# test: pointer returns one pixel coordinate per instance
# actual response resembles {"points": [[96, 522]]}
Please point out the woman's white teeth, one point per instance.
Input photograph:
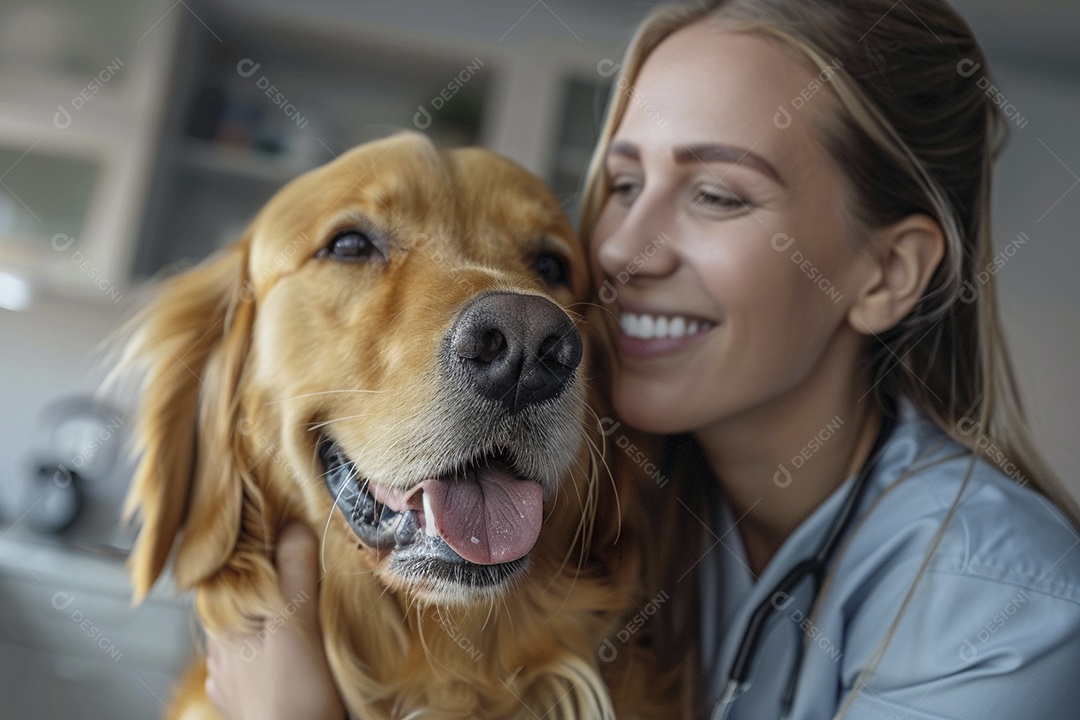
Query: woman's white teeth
{"points": [[649, 327]]}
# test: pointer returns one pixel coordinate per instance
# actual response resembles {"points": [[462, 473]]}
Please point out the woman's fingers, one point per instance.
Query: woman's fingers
{"points": [[279, 672], [222, 684], [298, 574]]}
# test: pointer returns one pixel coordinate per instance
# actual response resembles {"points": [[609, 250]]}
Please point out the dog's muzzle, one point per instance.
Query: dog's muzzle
{"points": [[506, 359]]}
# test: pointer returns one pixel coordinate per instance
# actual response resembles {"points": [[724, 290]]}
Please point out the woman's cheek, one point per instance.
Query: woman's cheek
{"points": [[742, 273]]}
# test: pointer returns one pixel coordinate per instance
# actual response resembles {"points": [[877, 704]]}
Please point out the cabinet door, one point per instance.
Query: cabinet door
{"points": [[82, 85]]}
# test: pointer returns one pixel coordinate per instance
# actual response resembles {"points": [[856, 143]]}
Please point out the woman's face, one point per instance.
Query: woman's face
{"points": [[723, 248]]}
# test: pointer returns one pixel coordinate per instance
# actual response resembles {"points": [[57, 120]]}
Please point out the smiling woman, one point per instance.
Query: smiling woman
{"points": [[801, 227]]}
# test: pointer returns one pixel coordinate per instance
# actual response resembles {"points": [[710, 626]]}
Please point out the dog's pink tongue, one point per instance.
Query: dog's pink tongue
{"points": [[491, 518]]}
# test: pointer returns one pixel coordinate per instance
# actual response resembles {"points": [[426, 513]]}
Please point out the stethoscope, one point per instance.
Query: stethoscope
{"points": [[813, 567]]}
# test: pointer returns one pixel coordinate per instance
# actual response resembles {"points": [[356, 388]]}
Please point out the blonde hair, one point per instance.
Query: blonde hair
{"points": [[914, 133]]}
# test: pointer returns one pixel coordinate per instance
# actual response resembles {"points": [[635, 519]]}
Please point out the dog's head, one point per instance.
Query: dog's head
{"points": [[395, 337]]}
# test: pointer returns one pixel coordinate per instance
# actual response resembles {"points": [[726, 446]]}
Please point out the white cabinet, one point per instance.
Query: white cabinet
{"points": [[138, 134], [259, 98], [81, 85]]}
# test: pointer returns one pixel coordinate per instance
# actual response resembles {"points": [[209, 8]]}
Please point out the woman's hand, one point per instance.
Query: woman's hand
{"points": [[284, 674]]}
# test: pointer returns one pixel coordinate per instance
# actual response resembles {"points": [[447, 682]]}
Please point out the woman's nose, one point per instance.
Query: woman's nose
{"points": [[639, 247]]}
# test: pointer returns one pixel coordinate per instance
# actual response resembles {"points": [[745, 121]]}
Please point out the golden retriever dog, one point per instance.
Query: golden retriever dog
{"points": [[395, 353]]}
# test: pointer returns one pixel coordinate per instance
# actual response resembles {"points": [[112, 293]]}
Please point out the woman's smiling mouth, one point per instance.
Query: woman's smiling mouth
{"points": [[646, 335], [648, 326]]}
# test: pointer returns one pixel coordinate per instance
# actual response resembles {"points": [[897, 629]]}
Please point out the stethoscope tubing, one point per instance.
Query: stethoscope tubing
{"points": [[814, 568]]}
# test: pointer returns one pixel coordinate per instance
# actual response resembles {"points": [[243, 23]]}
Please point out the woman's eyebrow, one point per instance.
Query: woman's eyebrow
{"points": [[625, 149], [732, 154]]}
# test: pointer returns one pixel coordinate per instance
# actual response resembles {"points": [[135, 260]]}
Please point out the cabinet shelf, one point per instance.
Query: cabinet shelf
{"points": [[239, 162]]}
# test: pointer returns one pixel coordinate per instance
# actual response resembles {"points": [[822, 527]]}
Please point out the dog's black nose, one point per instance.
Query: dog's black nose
{"points": [[516, 349]]}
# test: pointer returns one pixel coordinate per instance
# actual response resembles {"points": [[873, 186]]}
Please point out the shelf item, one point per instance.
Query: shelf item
{"points": [[241, 162]]}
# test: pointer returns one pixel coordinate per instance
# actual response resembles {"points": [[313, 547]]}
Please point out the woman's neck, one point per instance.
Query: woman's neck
{"points": [[778, 462]]}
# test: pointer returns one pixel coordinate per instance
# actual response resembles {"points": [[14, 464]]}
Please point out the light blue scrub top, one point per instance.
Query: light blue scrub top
{"points": [[992, 631]]}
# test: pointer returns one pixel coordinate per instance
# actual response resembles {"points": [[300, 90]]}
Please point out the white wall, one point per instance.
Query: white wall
{"points": [[44, 355], [1038, 193]]}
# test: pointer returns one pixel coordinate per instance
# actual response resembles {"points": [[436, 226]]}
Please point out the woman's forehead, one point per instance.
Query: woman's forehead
{"points": [[705, 84]]}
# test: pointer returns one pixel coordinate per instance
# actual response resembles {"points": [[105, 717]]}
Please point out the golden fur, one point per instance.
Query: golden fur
{"points": [[248, 357]]}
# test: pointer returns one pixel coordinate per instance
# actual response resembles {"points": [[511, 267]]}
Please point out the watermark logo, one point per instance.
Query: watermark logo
{"points": [[250, 649], [610, 426], [608, 650], [459, 638], [990, 450], [422, 119], [969, 292], [967, 68], [62, 242], [270, 449], [62, 477], [62, 118], [111, 427], [782, 477], [781, 242], [608, 292], [248, 292], [61, 601], [247, 68], [969, 650], [782, 118], [607, 68], [781, 601]]}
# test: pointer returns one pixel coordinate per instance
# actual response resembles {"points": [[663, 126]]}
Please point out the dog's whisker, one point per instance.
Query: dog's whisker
{"points": [[598, 306], [330, 518], [316, 426], [601, 454], [388, 450], [490, 612], [321, 392]]}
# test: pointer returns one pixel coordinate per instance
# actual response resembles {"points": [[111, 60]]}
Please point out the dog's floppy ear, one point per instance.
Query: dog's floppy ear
{"points": [[188, 346]]}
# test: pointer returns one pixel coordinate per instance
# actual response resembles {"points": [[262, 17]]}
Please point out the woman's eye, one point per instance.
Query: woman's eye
{"points": [[350, 246], [552, 269], [723, 202], [624, 188]]}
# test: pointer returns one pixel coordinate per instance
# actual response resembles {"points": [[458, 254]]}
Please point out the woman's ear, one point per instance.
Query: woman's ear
{"points": [[188, 348], [905, 256]]}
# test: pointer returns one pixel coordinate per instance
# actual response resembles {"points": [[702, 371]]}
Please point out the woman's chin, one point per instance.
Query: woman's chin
{"points": [[649, 412]]}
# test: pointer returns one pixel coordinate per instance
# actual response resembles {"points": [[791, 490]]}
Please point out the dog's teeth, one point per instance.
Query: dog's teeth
{"points": [[647, 327], [429, 517]]}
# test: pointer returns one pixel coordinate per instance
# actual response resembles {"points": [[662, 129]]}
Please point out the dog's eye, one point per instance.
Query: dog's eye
{"points": [[350, 246], [552, 268]]}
